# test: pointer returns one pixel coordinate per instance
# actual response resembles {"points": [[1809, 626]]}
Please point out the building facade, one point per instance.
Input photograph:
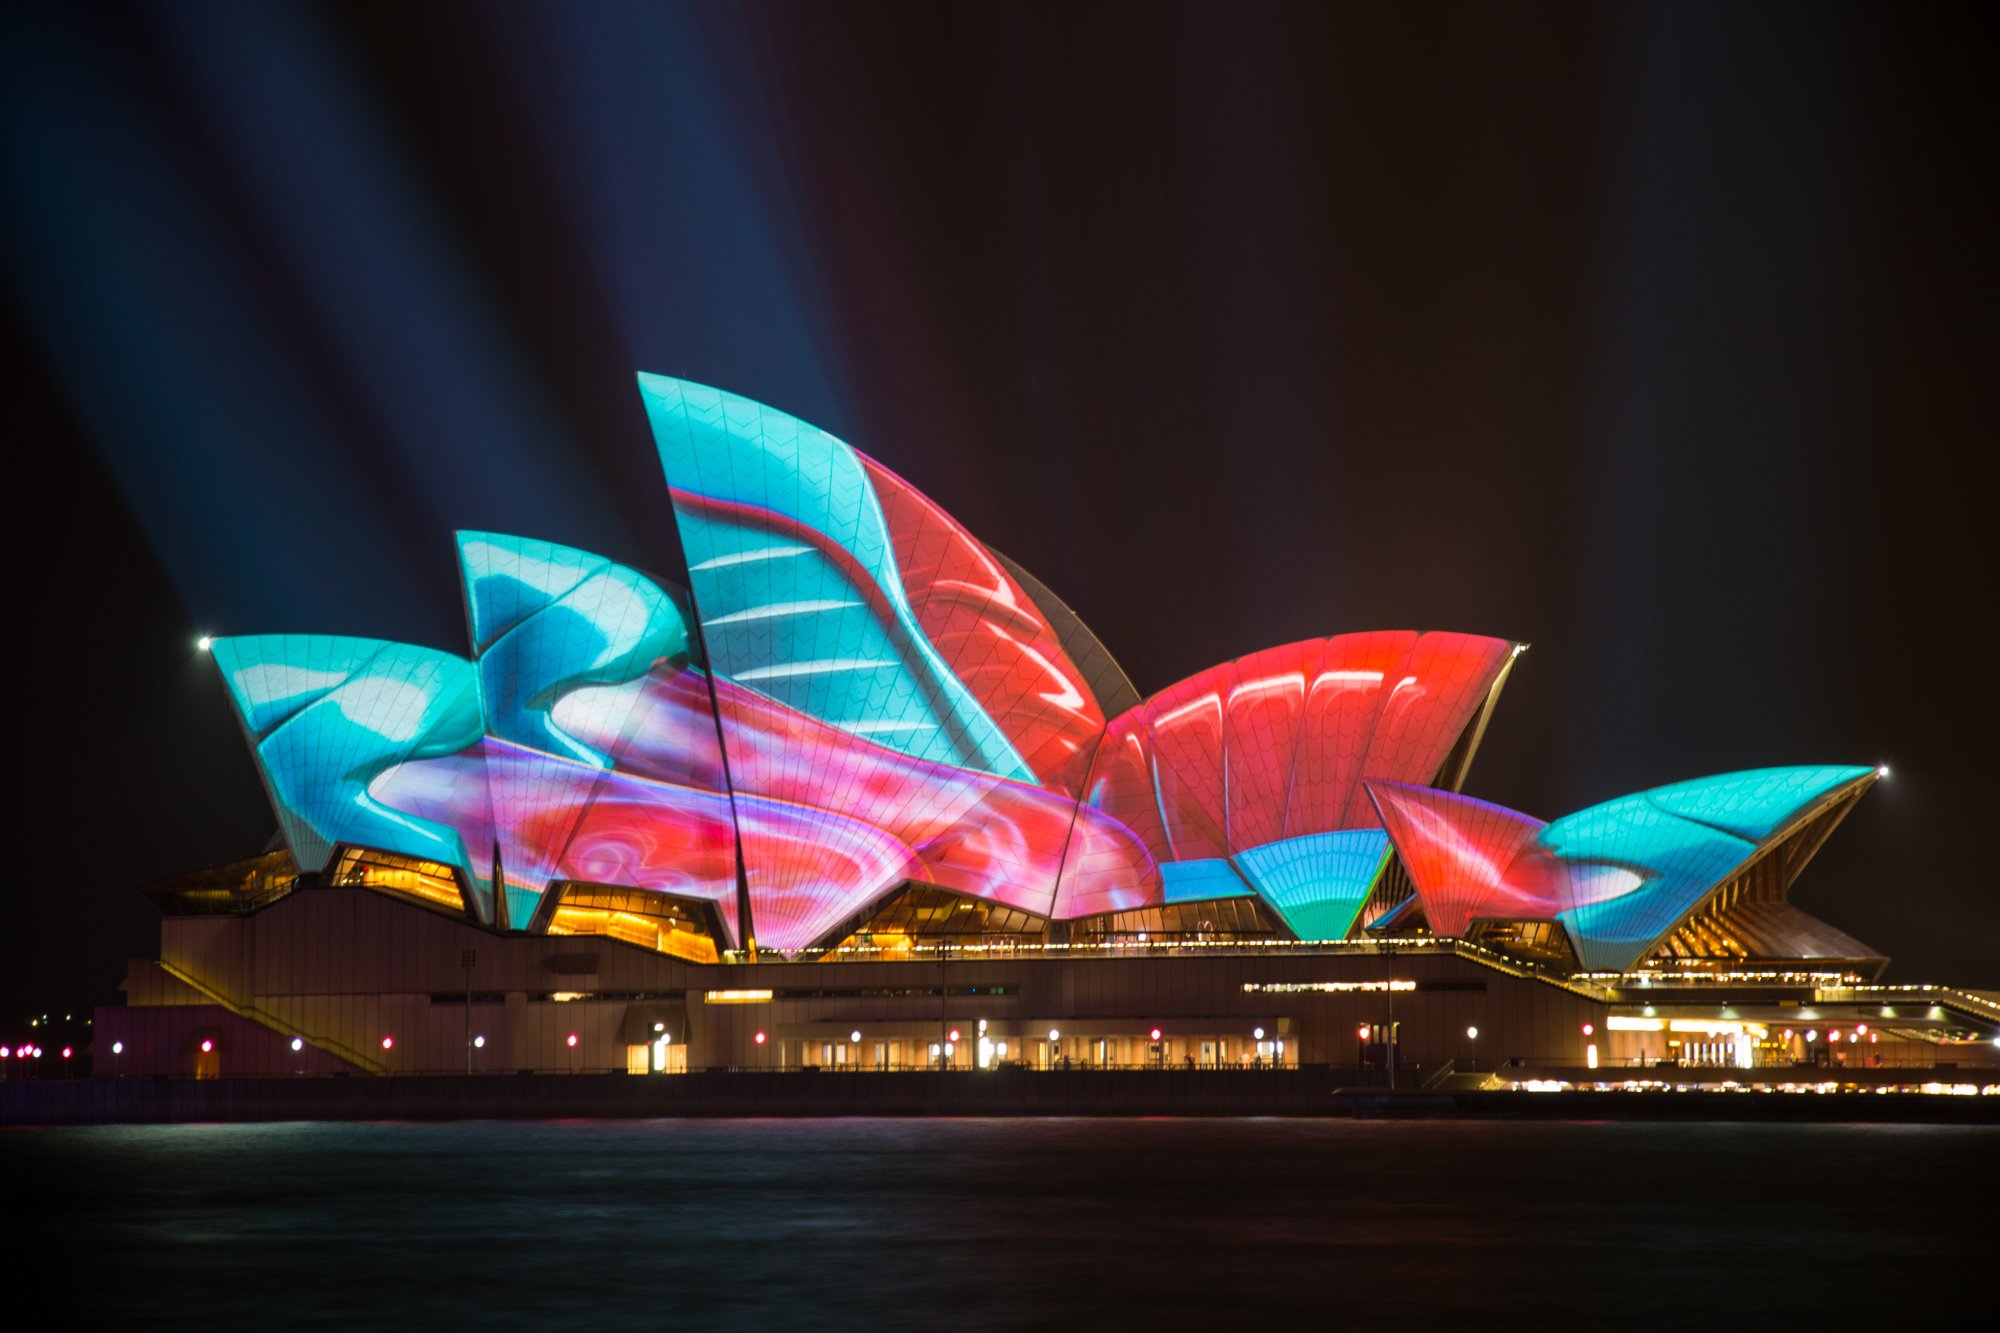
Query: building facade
{"points": [[865, 795]]}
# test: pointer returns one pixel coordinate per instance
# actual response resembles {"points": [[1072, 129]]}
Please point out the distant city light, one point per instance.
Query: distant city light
{"points": [[1472, 1034], [388, 1043], [1362, 1032], [1882, 772], [951, 1035], [571, 1040], [204, 643], [1589, 1029], [855, 1036], [760, 1039], [1054, 1036], [479, 1043], [4, 1052], [1258, 1033], [298, 1043], [206, 1046], [67, 1052]]}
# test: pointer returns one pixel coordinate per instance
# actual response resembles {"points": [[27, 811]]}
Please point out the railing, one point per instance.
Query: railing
{"points": [[1972, 1002], [1438, 1076], [253, 1014], [1181, 947]]}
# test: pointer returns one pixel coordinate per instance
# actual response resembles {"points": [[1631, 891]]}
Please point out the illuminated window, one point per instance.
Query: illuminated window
{"points": [[425, 881], [678, 927]]}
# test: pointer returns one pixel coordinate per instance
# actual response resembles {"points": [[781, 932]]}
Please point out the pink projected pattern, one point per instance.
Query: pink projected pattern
{"points": [[1238, 757], [989, 631], [1470, 859], [1276, 745]]}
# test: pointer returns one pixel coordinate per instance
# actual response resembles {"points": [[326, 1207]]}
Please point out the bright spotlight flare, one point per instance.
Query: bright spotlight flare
{"points": [[204, 643], [1881, 770]]}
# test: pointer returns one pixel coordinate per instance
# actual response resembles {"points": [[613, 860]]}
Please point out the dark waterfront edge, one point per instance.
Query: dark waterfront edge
{"points": [[1302, 1092]]}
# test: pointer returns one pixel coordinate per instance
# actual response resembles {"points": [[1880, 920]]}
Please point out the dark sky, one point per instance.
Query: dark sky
{"points": [[1659, 335]]}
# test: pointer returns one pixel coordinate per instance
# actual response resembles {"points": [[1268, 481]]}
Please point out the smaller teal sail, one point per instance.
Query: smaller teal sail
{"points": [[1317, 882], [326, 715]]}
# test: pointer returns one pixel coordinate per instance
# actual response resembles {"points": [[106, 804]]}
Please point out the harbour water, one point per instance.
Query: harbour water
{"points": [[1000, 1223]]}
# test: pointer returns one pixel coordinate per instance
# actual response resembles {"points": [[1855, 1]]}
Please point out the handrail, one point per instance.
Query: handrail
{"points": [[1418, 945], [255, 1015]]}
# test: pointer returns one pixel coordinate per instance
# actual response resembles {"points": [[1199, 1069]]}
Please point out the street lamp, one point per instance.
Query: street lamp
{"points": [[570, 1041]]}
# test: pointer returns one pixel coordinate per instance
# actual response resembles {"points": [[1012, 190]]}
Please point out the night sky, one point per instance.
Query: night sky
{"points": [[1659, 336]]}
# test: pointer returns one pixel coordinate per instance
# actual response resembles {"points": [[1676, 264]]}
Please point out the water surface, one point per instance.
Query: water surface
{"points": [[998, 1223]]}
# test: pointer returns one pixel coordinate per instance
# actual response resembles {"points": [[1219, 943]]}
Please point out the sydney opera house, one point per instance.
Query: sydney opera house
{"points": [[864, 794]]}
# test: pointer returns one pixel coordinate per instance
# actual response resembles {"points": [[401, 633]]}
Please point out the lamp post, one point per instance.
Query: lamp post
{"points": [[944, 994], [467, 959], [1389, 953], [1472, 1039]]}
